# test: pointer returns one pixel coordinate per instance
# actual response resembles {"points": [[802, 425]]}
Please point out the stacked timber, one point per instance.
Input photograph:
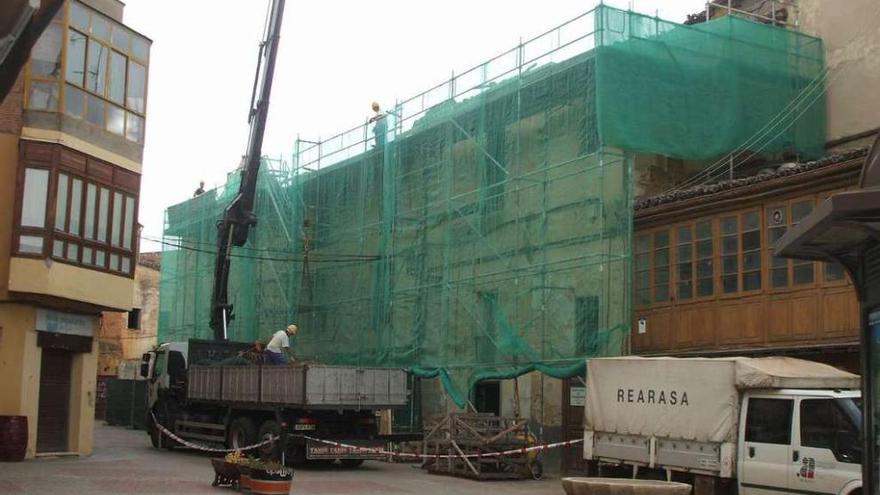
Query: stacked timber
{"points": [[448, 446]]}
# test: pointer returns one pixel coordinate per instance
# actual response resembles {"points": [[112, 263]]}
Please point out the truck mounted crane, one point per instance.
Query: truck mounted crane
{"points": [[236, 406], [239, 217]]}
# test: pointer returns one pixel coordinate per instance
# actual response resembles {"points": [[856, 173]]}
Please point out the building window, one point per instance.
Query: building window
{"points": [[685, 262], [134, 319], [750, 237], [783, 271], [80, 219], [46, 54], [729, 255], [777, 225], [30, 244], [661, 266], [76, 58], [834, 272], [34, 197], [741, 252], [96, 67], [586, 324], [137, 87], [643, 270], [705, 262], [104, 67], [802, 271]]}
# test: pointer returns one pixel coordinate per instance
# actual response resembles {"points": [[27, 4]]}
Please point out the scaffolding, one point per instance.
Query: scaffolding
{"points": [[483, 228]]}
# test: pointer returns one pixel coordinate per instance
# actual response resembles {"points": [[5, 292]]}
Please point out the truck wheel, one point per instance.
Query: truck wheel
{"points": [[269, 428], [157, 438], [242, 433], [154, 434], [351, 463]]}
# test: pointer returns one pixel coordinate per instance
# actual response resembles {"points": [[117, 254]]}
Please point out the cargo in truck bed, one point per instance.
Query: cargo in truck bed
{"points": [[299, 385]]}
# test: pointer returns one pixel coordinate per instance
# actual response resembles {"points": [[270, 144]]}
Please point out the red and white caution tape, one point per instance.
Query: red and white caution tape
{"points": [[171, 435], [370, 450]]}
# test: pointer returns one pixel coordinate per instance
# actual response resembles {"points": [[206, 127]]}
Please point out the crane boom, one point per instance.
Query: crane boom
{"points": [[239, 217]]}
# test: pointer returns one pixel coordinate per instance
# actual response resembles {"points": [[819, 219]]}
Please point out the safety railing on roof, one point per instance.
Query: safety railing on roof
{"points": [[561, 43]]}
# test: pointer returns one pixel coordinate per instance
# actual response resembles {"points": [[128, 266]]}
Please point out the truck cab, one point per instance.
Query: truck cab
{"points": [[155, 368], [800, 441]]}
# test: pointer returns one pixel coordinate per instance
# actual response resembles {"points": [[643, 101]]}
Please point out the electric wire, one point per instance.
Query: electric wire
{"points": [[292, 259], [725, 164], [255, 250]]}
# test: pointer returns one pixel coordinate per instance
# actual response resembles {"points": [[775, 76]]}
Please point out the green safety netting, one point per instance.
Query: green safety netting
{"points": [[482, 229]]}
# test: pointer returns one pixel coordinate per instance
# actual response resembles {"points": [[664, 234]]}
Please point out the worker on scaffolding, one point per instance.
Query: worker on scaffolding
{"points": [[278, 349], [381, 125]]}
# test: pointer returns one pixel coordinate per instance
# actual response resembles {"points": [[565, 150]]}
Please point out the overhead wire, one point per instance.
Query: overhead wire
{"points": [[257, 250], [294, 259], [725, 164]]}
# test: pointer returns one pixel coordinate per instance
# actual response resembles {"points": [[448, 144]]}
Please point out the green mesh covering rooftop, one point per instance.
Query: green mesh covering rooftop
{"points": [[483, 228]]}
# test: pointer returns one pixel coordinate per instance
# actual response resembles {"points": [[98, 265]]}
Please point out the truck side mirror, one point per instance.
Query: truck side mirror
{"points": [[145, 365]]}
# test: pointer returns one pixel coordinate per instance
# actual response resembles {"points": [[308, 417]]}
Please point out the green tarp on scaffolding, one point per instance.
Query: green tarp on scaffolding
{"points": [[484, 229]]}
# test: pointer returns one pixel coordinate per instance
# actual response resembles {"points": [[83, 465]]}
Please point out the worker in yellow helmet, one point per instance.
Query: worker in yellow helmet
{"points": [[279, 345], [381, 127]]}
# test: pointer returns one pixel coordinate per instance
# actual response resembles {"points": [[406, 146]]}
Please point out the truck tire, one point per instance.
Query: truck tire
{"points": [[351, 463], [154, 434], [242, 433], [272, 450]]}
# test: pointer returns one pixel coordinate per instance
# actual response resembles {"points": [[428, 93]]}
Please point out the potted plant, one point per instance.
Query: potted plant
{"points": [[225, 473]]}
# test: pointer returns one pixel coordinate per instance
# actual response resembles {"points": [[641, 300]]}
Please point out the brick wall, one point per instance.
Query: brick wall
{"points": [[11, 109], [117, 341]]}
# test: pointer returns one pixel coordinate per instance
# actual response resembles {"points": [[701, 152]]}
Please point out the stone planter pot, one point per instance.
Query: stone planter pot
{"points": [[618, 486]]}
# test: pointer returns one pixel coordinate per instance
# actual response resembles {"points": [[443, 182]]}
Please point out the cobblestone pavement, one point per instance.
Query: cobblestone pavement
{"points": [[124, 463]]}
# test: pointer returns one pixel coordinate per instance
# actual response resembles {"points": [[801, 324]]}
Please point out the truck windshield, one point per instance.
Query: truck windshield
{"points": [[852, 408]]}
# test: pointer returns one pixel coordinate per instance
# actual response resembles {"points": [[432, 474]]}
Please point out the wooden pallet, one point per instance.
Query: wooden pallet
{"points": [[463, 434]]}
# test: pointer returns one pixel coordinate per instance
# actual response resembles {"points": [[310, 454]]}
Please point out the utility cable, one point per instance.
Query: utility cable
{"points": [[294, 259], [724, 163], [313, 255]]}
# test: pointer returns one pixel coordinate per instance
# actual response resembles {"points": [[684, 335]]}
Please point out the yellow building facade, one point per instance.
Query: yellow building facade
{"points": [[71, 147]]}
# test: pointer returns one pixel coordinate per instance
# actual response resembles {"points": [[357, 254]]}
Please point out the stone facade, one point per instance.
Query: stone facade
{"points": [[117, 340]]}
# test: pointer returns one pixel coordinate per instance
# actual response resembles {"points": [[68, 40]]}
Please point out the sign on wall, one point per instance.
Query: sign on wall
{"points": [[577, 396], [66, 323]]}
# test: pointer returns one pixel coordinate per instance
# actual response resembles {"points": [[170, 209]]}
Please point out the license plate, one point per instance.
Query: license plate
{"points": [[318, 450]]}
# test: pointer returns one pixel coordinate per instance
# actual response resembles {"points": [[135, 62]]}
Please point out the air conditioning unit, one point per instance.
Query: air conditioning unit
{"points": [[21, 19]]}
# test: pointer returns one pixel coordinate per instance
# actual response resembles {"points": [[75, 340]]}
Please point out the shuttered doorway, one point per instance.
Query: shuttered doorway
{"points": [[54, 413]]}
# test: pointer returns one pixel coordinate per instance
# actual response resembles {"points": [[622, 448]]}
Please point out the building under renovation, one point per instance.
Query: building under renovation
{"points": [[480, 233]]}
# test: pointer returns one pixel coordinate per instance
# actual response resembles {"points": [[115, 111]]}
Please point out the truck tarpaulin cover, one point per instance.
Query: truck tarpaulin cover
{"points": [[691, 399]]}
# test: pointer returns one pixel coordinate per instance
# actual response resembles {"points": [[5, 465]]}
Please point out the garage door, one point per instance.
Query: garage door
{"points": [[54, 412]]}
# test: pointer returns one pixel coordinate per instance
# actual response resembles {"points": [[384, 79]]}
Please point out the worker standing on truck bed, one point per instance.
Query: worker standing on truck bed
{"points": [[280, 343]]}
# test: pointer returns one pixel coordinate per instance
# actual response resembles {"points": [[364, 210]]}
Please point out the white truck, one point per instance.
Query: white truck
{"points": [[751, 426]]}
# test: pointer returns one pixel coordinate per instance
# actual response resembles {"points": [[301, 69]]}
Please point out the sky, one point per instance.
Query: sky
{"points": [[335, 58]]}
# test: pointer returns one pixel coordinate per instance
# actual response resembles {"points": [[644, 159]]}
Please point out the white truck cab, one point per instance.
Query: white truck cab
{"points": [[154, 367], [751, 426], [800, 441]]}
